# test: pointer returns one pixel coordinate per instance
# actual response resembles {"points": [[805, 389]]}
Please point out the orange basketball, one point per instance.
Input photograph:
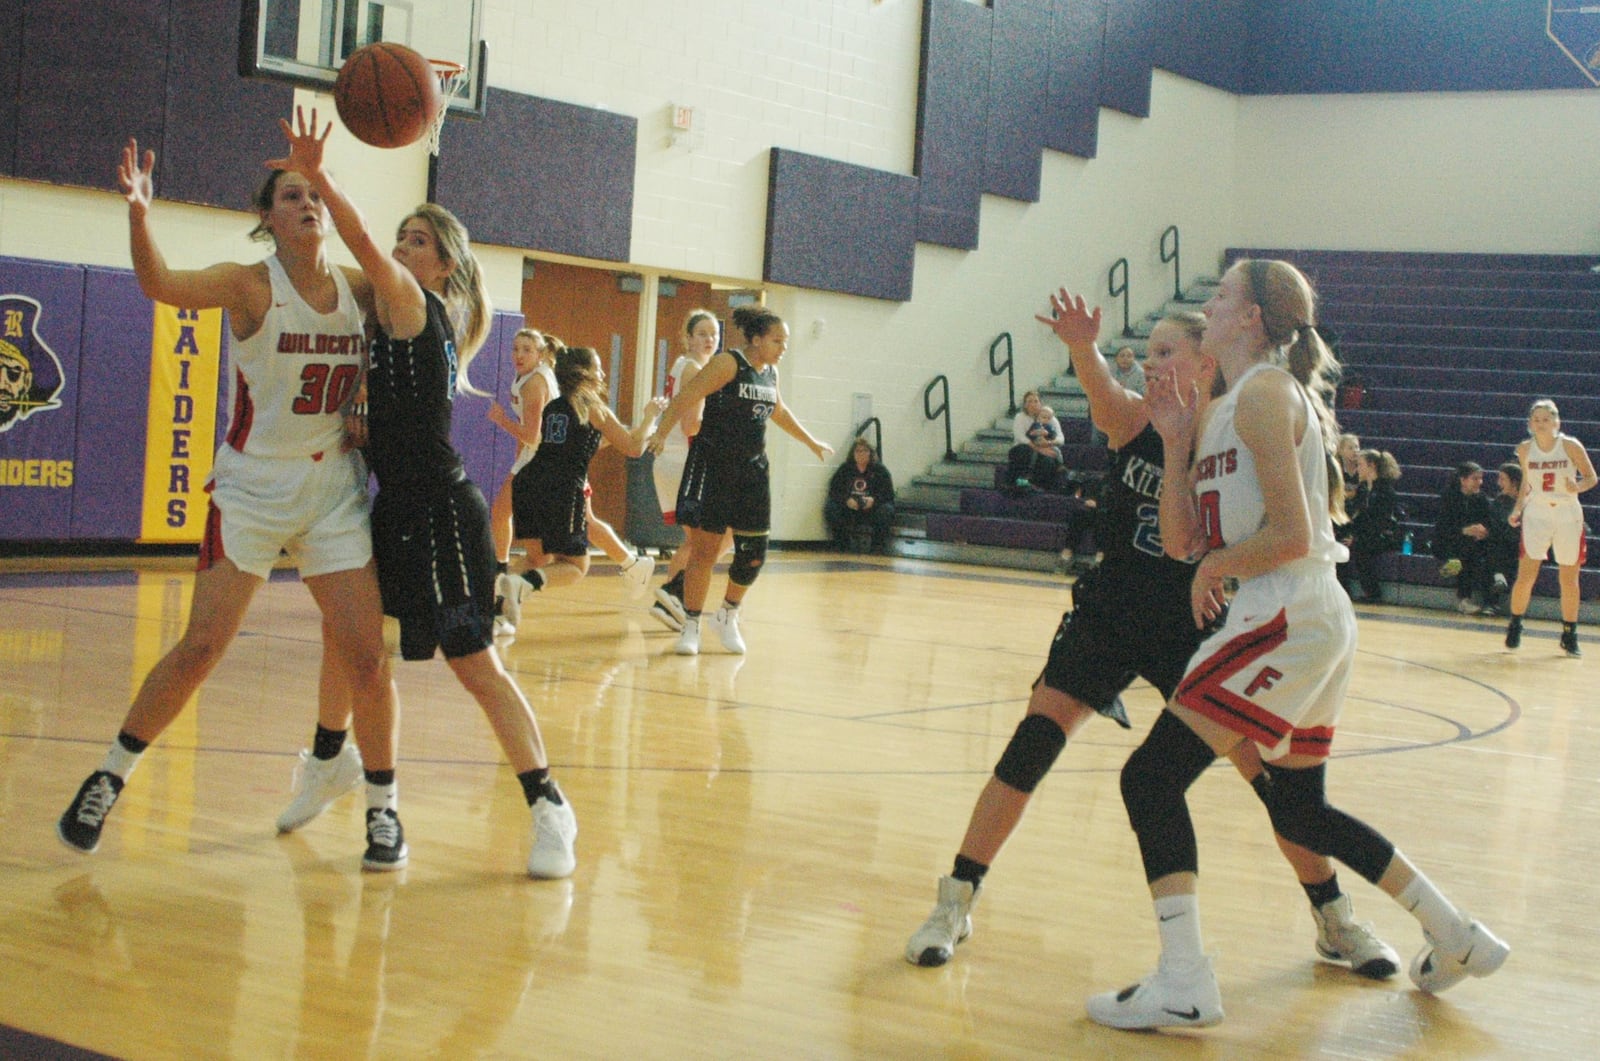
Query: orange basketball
{"points": [[387, 95]]}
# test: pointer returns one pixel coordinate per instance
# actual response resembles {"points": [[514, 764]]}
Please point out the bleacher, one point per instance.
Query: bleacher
{"points": [[1450, 350]]}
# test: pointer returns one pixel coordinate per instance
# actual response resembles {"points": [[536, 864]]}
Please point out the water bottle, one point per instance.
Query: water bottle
{"points": [[1405, 546]]}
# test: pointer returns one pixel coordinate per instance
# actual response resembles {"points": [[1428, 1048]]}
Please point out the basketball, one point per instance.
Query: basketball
{"points": [[387, 95]]}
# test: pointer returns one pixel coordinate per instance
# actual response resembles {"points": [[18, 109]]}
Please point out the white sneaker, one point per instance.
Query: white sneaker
{"points": [[665, 618], [949, 924], [317, 783], [503, 627], [671, 604], [555, 828], [1436, 968], [725, 621], [1466, 607], [636, 576], [510, 588], [1171, 997], [1340, 938], [689, 640]]}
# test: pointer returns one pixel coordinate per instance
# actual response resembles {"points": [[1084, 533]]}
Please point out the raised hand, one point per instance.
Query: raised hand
{"points": [[133, 174], [305, 144], [1071, 320], [1172, 414]]}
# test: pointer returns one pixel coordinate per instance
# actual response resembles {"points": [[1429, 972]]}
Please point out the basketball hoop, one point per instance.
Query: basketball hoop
{"points": [[452, 84]]}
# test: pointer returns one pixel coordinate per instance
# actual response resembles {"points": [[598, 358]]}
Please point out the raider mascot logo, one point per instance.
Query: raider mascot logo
{"points": [[30, 373]]}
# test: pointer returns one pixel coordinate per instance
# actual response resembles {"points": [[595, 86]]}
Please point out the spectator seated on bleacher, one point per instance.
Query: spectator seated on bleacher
{"points": [[1126, 370], [860, 507], [1505, 540], [1461, 538], [1035, 460], [1376, 524]]}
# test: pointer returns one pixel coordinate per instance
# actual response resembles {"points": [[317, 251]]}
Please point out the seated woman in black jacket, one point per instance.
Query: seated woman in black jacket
{"points": [[860, 495], [1461, 538], [1375, 527]]}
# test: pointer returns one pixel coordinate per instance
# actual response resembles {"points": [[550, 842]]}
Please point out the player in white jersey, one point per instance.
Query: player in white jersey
{"points": [[533, 355], [284, 479], [1260, 460], [702, 336], [1555, 470]]}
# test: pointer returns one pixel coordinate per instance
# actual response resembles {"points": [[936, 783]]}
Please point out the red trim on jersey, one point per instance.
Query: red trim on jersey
{"points": [[1317, 741], [1202, 691], [211, 549], [244, 413]]}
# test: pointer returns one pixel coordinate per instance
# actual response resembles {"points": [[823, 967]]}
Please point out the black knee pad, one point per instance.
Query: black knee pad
{"points": [[1031, 753], [749, 553], [1154, 781], [1298, 804]]}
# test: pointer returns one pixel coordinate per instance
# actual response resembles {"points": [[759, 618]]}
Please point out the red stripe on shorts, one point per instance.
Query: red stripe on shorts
{"points": [[1202, 691]]}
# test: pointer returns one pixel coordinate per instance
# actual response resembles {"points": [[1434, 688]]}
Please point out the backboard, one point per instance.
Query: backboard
{"points": [[304, 42], [1575, 27]]}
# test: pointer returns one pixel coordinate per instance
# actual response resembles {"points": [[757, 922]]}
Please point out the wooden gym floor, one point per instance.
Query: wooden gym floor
{"points": [[759, 836]]}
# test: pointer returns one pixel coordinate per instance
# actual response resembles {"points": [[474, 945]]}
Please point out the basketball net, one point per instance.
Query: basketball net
{"points": [[452, 83]]}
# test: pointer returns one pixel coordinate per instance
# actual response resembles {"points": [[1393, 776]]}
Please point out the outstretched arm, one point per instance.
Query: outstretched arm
{"points": [[227, 284], [718, 372], [786, 420], [401, 307], [629, 440], [1114, 409]]}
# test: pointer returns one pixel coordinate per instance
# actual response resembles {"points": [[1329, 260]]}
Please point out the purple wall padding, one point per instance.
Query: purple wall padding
{"points": [[1072, 106], [834, 226], [1416, 46], [1207, 40], [952, 115], [1019, 83], [218, 127], [46, 438], [112, 406], [10, 81], [486, 450], [1132, 30], [541, 174], [92, 75]]}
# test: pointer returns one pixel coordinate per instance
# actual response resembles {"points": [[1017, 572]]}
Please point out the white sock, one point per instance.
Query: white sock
{"points": [[1439, 918], [1178, 921], [120, 761], [383, 797]]}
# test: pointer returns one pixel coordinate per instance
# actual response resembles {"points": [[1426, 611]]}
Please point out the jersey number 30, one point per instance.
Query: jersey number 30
{"points": [[324, 388]]}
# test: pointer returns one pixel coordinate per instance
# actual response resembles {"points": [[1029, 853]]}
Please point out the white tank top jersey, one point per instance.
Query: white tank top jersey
{"points": [[292, 376], [1230, 490], [678, 440], [525, 451], [1551, 472]]}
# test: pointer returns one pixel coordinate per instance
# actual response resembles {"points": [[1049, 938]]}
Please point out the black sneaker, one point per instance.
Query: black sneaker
{"points": [[1514, 632], [79, 828], [386, 841], [1569, 643]]}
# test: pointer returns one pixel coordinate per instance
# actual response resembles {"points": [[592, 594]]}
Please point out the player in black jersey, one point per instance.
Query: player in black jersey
{"points": [[430, 523], [1093, 658], [725, 485], [547, 495]]}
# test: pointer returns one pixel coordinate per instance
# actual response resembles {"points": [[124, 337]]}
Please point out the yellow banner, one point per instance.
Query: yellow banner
{"points": [[185, 358]]}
